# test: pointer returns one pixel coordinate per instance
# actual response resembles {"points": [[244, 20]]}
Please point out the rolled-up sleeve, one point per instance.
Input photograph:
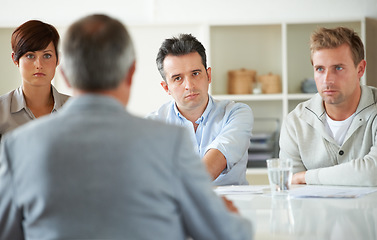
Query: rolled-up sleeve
{"points": [[234, 138]]}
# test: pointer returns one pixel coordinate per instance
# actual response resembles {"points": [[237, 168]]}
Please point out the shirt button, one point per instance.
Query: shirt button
{"points": [[341, 152]]}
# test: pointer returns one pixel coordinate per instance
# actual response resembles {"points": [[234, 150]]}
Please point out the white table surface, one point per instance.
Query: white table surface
{"points": [[282, 217]]}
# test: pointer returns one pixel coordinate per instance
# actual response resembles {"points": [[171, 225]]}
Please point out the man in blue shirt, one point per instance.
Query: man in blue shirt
{"points": [[221, 130]]}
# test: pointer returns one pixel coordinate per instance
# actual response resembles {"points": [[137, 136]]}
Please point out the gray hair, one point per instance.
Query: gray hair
{"points": [[97, 53]]}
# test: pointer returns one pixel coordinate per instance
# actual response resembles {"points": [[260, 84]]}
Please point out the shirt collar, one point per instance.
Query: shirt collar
{"points": [[208, 109], [58, 101], [19, 103], [366, 99], [205, 114]]}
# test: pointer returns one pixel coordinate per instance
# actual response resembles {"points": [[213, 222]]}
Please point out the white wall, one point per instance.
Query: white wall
{"points": [[187, 16], [12, 13]]}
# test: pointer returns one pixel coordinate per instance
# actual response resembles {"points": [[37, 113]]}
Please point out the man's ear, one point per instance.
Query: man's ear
{"points": [[209, 75], [65, 77], [130, 73], [165, 86], [361, 68], [14, 60]]}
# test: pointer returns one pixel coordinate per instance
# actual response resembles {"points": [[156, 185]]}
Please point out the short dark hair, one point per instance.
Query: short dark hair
{"points": [[34, 35], [178, 46], [326, 38]]}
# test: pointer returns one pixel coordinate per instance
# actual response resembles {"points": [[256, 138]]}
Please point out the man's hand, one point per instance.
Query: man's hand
{"points": [[299, 178], [229, 205]]}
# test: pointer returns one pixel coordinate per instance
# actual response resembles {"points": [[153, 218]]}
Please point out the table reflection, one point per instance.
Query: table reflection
{"points": [[281, 219], [334, 218], [284, 217]]}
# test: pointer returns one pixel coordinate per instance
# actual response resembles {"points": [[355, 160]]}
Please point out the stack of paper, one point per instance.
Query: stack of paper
{"points": [[320, 191], [240, 189]]}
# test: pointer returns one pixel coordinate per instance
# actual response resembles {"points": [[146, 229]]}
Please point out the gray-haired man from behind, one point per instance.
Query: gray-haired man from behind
{"points": [[94, 171]]}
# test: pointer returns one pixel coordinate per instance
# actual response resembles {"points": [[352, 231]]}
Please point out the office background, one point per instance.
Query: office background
{"points": [[151, 21]]}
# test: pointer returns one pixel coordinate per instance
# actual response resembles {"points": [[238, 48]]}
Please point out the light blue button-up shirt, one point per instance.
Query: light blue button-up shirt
{"points": [[225, 126]]}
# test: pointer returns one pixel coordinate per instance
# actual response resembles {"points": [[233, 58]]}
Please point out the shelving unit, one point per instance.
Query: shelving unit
{"points": [[264, 143], [279, 48]]}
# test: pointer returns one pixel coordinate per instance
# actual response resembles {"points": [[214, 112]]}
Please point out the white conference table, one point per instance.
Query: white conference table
{"points": [[285, 217]]}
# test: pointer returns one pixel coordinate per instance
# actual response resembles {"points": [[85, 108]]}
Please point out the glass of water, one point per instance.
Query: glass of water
{"points": [[279, 175]]}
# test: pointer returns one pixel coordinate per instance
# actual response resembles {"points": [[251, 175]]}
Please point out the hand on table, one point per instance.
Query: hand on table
{"points": [[299, 178], [229, 205]]}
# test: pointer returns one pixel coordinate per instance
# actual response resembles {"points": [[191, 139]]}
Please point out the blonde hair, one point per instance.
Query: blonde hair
{"points": [[326, 38]]}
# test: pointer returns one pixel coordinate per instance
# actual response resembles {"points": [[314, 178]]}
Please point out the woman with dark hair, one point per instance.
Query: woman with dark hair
{"points": [[34, 46]]}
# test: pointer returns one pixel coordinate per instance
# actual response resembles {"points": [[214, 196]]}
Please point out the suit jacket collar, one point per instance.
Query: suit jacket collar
{"points": [[96, 102]]}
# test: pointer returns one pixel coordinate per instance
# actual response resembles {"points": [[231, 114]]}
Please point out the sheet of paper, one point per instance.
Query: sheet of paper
{"points": [[320, 191], [240, 189]]}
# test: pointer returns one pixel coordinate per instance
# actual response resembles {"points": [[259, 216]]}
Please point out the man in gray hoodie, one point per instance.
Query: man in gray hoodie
{"points": [[331, 138]]}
